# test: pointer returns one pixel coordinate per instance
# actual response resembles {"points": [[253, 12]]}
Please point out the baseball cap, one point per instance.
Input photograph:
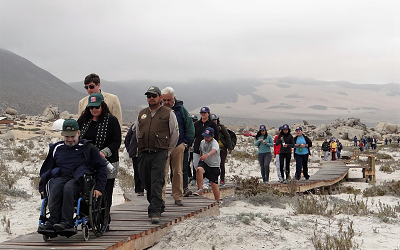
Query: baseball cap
{"points": [[262, 127], [285, 126], [214, 117], [194, 117], [299, 128], [153, 90], [281, 127], [204, 110], [95, 100], [208, 132], [70, 127]]}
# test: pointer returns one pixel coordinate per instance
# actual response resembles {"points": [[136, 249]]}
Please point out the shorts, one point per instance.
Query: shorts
{"points": [[210, 173]]}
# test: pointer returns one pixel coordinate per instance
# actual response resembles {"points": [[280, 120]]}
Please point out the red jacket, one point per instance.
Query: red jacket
{"points": [[277, 149]]}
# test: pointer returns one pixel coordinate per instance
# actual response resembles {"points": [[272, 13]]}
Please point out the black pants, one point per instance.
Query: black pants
{"points": [[152, 174], [282, 158], [136, 176], [62, 192], [109, 189], [223, 154], [301, 163], [186, 168]]}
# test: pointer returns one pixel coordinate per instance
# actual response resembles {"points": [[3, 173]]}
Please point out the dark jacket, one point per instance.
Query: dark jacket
{"points": [[339, 146], [325, 146], [225, 137], [199, 128], [131, 142], [186, 128], [91, 163], [308, 142], [288, 139]]}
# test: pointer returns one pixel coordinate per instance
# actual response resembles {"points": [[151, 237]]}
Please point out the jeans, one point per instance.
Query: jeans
{"points": [[325, 154], [301, 163], [338, 154], [265, 159]]}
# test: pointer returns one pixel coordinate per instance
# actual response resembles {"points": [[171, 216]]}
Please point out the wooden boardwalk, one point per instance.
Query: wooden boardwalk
{"points": [[130, 227], [330, 172]]}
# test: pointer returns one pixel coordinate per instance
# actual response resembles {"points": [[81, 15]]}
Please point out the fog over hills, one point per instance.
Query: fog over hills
{"points": [[30, 89]]}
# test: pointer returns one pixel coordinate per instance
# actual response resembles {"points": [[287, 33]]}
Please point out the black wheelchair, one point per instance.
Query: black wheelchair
{"points": [[90, 213]]}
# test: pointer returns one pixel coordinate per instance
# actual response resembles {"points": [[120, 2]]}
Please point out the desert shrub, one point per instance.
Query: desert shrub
{"points": [[313, 204], [284, 223], [42, 156], [383, 157], [6, 224], [351, 190], [21, 154], [386, 169], [14, 192], [2, 201], [354, 206], [251, 186], [8, 177], [390, 187], [342, 240], [29, 144], [385, 212], [126, 180], [274, 201], [243, 155], [246, 218]]}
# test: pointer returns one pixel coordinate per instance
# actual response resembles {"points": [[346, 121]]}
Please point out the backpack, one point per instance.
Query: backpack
{"points": [[233, 137]]}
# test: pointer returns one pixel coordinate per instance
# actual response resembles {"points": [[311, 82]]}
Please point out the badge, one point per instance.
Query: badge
{"points": [[143, 116]]}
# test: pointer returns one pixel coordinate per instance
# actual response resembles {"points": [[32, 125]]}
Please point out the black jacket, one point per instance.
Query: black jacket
{"points": [[199, 128], [131, 141], [288, 139], [91, 163], [325, 146], [308, 142]]}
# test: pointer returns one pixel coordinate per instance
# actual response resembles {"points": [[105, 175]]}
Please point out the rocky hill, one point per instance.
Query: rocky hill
{"points": [[30, 89]]}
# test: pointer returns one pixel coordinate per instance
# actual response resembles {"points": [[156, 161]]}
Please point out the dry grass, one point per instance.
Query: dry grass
{"points": [[343, 240], [251, 186], [390, 187], [380, 157], [6, 224], [8, 177], [386, 169], [243, 155]]}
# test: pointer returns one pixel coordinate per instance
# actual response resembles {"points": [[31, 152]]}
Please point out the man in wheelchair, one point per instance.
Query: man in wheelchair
{"points": [[61, 177]]}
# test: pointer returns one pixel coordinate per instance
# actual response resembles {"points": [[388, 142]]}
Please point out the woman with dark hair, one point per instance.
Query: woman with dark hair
{"points": [[285, 139], [99, 126], [264, 143]]}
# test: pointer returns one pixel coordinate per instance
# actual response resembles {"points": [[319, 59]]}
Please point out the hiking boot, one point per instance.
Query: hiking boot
{"points": [[198, 192], [179, 202], [140, 194], [187, 192], [155, 219]]}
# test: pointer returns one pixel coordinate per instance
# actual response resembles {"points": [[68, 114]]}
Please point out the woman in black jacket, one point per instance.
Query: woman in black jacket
{"points": [[100, 127], [285, 139]]}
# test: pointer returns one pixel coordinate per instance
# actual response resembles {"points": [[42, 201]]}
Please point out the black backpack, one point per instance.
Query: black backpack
{"points": [[233, 137]]}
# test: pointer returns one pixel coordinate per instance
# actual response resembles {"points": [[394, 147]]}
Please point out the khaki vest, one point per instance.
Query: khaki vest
{"points": [[154, 131]]}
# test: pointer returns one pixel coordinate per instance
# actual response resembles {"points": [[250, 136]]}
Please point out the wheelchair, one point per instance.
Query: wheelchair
{"points": [[90, 213]]}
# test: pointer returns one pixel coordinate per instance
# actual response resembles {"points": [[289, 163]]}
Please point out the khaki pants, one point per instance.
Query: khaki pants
{"points": [[176, 160]]}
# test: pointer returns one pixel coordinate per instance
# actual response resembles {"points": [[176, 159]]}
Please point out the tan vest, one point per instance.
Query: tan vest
{"points": [[154, 131]]}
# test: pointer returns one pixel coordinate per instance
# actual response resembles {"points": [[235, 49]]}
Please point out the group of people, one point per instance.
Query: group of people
{"points": [[334, 147], [161, 138], [283, 145], [367, 143]]}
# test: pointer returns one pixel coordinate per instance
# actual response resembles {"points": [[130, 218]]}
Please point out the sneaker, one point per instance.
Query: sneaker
{"points": [[219, 204], [187, 192], [140, 194], [198, 192], [284, 182], [45, 228], [155, 219], [179, 202], [222, 183]]}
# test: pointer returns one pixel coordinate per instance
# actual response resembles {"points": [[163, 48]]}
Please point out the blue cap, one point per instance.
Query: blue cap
{"points": [[208, 132], [280, 128], [262, 127], [204, 110], [299, 128], [285, 126]]}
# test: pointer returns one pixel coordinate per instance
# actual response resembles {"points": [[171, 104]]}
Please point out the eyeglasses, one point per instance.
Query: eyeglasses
{"points": [[151, 95], [96, 107], [90, 87]]}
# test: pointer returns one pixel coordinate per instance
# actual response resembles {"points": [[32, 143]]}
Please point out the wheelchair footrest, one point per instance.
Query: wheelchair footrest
{"points": [[68, 232]]}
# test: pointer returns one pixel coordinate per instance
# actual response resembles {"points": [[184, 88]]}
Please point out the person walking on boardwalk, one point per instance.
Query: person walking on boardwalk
{"points": [[157, 133], [225, 145], [285, 139], [131, 147], [302, 145], [325, 149], [333, 147], [355, 141], [339, 148], [209, 163], [276, 156], [264, 142], [92, 85], [180, 177], [192, 170], [102, 128]]}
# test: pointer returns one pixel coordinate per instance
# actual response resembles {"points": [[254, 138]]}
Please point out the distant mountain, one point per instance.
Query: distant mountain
{"points": [[30, 89]]}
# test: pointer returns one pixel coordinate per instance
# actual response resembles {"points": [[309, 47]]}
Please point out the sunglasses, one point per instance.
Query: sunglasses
{"points": [[151, 95], [90, 87], [92, 107]]}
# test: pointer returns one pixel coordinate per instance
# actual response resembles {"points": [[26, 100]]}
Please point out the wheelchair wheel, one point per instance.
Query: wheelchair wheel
{"points": [[85, 232], [98, 213]]}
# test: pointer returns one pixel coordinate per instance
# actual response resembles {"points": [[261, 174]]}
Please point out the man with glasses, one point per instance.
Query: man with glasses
{"points": [[92, 85], [157, 133]]}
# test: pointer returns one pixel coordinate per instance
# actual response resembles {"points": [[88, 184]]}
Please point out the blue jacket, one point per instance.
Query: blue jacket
{"points": [[91, 163], [264, 148], [186, 127]]}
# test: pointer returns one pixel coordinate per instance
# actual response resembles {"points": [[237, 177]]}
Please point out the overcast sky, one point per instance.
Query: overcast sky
{"points": [[358, 41]]}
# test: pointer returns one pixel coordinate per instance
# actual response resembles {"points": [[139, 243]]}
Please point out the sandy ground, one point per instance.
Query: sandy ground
{"points": [[276, 228]]}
